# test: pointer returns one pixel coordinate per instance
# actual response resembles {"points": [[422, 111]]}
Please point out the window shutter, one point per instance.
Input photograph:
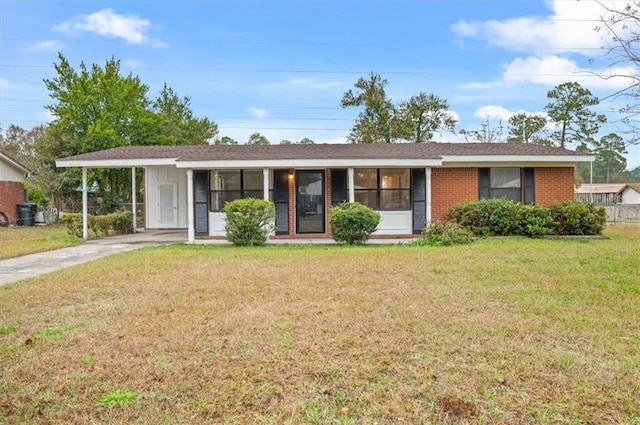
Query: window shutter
{"points": [[419, 196], [529, 185], [484, 183], [338, 186]]}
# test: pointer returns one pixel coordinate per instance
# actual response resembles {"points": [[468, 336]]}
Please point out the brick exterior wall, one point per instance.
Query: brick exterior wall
{"points": [[554, 184], [11, 193], [449, 187]]}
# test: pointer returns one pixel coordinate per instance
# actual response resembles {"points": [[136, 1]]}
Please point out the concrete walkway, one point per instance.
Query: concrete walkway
{"points": [[19, 268], [15, 269]]}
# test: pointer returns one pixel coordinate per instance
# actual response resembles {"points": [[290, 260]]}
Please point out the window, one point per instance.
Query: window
{"points": [[383, 189], [507, 183], [227, 185]]}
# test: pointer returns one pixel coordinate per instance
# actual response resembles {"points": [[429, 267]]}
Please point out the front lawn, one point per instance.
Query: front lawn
{"points": [[511, 331], [17, 241]]}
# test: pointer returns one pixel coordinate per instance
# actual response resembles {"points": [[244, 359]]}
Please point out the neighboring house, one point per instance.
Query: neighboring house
{"points": [[186, 187], [608, 194], [12, 175]]}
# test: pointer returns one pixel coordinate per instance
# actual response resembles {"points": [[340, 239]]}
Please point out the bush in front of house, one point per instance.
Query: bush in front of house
{"points": [[101, 225], [488, 217], [249, 221], [577, 218], [353, 223], [502, 217], [444, 233]]}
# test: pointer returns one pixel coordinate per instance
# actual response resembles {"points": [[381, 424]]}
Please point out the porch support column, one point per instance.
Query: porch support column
{"points": [[351, 185], [134, 209], [265, 183], [191, 232], [427, 180], [85, 205]]}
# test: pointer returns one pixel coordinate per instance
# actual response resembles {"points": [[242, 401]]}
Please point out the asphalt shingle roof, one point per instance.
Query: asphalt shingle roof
{"points": [[320, 151]]}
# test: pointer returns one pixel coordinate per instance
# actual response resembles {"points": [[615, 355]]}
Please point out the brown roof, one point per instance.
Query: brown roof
{"points": [[321, 151]]}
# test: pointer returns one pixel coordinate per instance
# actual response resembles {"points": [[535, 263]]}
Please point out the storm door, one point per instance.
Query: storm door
{"points": [[310, 201]]}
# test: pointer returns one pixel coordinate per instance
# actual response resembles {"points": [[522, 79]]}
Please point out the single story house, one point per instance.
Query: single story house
{"points": [[609, 193], [12, 175], [410, 184]]}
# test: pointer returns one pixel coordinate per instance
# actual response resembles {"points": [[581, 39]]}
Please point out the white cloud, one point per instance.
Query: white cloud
{"points": [[47, 45], [569, 27], [493, 112], [258, 113], [553, 70], [4, 83], [130, 28]]}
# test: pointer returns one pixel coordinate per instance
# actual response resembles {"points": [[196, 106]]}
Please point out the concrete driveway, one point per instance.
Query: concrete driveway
{"points": [[15, 269], [19, 268]]}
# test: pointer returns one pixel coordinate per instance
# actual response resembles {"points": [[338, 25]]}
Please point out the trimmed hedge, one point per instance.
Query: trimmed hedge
{"points": [[249, 221], [502, 217], [353, 223], [101, 225]]}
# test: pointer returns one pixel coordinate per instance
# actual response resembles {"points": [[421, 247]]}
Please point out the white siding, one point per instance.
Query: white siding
{"points": [[9, 173], [163, 178], [630, 196], [394, 223]]}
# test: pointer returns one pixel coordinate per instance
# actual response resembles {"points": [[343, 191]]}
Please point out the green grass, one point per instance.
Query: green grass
{"points": [[504, 331], [17, 241]]}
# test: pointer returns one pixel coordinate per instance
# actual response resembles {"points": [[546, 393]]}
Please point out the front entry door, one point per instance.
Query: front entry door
{"points": [[310, 201]]}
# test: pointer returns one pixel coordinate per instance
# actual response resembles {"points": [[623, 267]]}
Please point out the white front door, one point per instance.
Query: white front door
{"points": [[168, 205]]}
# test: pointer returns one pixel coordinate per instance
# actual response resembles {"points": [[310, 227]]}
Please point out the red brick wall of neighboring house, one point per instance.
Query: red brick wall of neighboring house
{"points": [[11, 193], [449, 187], [554, 184]]}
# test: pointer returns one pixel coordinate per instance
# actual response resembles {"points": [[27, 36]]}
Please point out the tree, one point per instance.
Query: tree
{"points": [[258, 139], [98, 108], [286, 142], [225, 140], [179, 126], [20, 143], [423, 114], [528, 128], [375, 122], [569, 110], [306, 141], [620, 29], [486, 134], [610, 153]]}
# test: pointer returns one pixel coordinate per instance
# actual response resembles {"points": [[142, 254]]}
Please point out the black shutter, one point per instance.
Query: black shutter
{"points": [[484, 181], [201, 202], [338, 186], [529, 185], [419, 196], [281, 199]]}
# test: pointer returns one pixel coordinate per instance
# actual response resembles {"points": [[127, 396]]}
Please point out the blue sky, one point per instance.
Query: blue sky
{"points": [[281, 67]]}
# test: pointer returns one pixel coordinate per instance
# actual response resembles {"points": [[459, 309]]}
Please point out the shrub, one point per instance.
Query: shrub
{"points": [[444, 233], [73, 223], [121, 222], [577, 218], [500, 217], [535, 220], [353, 223], [488, 217], [249, 221], [101, 225]]}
